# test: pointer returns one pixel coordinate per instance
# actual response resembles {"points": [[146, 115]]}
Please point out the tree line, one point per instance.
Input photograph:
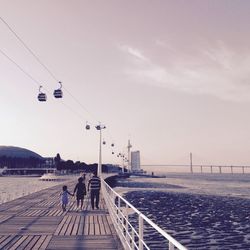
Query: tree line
{"points": [[82, 166], [58, 163]]}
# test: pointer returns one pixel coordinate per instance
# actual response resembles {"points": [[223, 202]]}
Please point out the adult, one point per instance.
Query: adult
{"points": [[94, 185], [80, 190]]}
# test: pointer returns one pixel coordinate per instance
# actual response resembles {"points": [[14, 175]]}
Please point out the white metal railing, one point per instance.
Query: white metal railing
{"points": [[131, 225]]}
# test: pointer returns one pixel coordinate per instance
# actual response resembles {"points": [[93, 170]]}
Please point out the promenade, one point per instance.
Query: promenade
{"points": [[36, 221]]}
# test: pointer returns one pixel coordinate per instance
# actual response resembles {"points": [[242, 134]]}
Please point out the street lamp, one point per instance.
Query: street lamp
{"points": [[99, 169]]}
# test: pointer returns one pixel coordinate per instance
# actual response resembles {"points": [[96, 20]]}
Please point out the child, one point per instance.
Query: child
{"points": [[80, 190], [64, 198]]}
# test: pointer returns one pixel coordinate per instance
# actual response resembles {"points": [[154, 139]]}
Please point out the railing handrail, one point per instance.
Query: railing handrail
{"points": [[156, 227]]}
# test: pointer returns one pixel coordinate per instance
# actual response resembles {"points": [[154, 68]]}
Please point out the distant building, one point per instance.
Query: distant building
{"points": [[135, 161], [49, 162], [16, 157]]}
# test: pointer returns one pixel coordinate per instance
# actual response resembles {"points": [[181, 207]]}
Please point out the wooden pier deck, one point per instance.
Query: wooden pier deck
{"points": [[36, 221]]}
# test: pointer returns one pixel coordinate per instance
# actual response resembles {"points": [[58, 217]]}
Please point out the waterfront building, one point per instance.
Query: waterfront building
{"points": [[16, 157], [135, 161]]}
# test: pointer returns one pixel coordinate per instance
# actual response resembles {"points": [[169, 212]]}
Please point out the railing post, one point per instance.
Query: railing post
{"points": [[220, 169], [126, 222], [141, 230], [119, 213], [170, 246], [133, 240]]}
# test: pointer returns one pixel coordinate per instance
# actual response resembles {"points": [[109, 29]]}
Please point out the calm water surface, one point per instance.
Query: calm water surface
{"points": [[14, 187], [202, 211]]}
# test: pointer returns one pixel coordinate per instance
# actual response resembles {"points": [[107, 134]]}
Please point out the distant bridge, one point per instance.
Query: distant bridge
{"points": [[201, 167]]}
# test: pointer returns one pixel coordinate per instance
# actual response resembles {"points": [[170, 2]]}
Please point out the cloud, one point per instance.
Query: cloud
{"points": [[217, 71], [135, 53]]}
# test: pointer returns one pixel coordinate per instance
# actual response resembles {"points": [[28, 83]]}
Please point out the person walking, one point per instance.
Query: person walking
{"points": [[94, 185], [64, 197], [80, 190]]}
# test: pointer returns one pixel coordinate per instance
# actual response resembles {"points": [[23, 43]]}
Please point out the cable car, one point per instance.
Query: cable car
{"points": [[41, 96], [103, 142], [58, 92]]}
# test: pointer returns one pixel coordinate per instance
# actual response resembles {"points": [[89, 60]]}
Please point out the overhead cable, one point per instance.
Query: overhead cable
{"points": [[44, 66], [25, 72]]}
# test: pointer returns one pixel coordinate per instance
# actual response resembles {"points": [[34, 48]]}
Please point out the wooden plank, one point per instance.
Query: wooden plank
{"points": [[40, 241], [106, 225], [65, 226], [25, 242], [70, 226], [46, 242], [11, 242], [76, 225], [6, 241], [32, 243], [86, 226], [81, 226], [61, 225], [19, 242], [91, 219], [91, 229], [102, 229], [3, 238], [61, 243], [97, 229], [3, 218]]}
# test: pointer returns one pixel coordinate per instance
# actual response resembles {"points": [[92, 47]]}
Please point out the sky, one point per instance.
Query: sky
{"points": [[170, 75]]}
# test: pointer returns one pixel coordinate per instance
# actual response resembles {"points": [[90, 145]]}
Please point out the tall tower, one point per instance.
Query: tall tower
{"points": [[135, 161], [129, 161]]}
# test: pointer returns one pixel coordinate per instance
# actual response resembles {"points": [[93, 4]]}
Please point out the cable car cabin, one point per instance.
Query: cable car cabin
{"points": [[87, 127], [103, 142], [58, 93], [42, 97]]}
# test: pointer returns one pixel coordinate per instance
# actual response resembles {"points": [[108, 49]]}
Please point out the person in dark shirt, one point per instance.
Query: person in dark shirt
{"points": [[94, 185], [80, 190]]}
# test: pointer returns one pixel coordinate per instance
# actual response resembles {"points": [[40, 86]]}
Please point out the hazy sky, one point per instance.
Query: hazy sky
{"points": [[171, 75]]}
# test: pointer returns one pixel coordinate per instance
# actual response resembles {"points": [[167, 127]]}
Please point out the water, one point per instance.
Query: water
{"points": [[15, 187], [202, 211]]}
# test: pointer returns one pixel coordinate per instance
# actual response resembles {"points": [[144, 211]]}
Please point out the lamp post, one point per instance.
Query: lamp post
{"points": [[99, 169]]}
